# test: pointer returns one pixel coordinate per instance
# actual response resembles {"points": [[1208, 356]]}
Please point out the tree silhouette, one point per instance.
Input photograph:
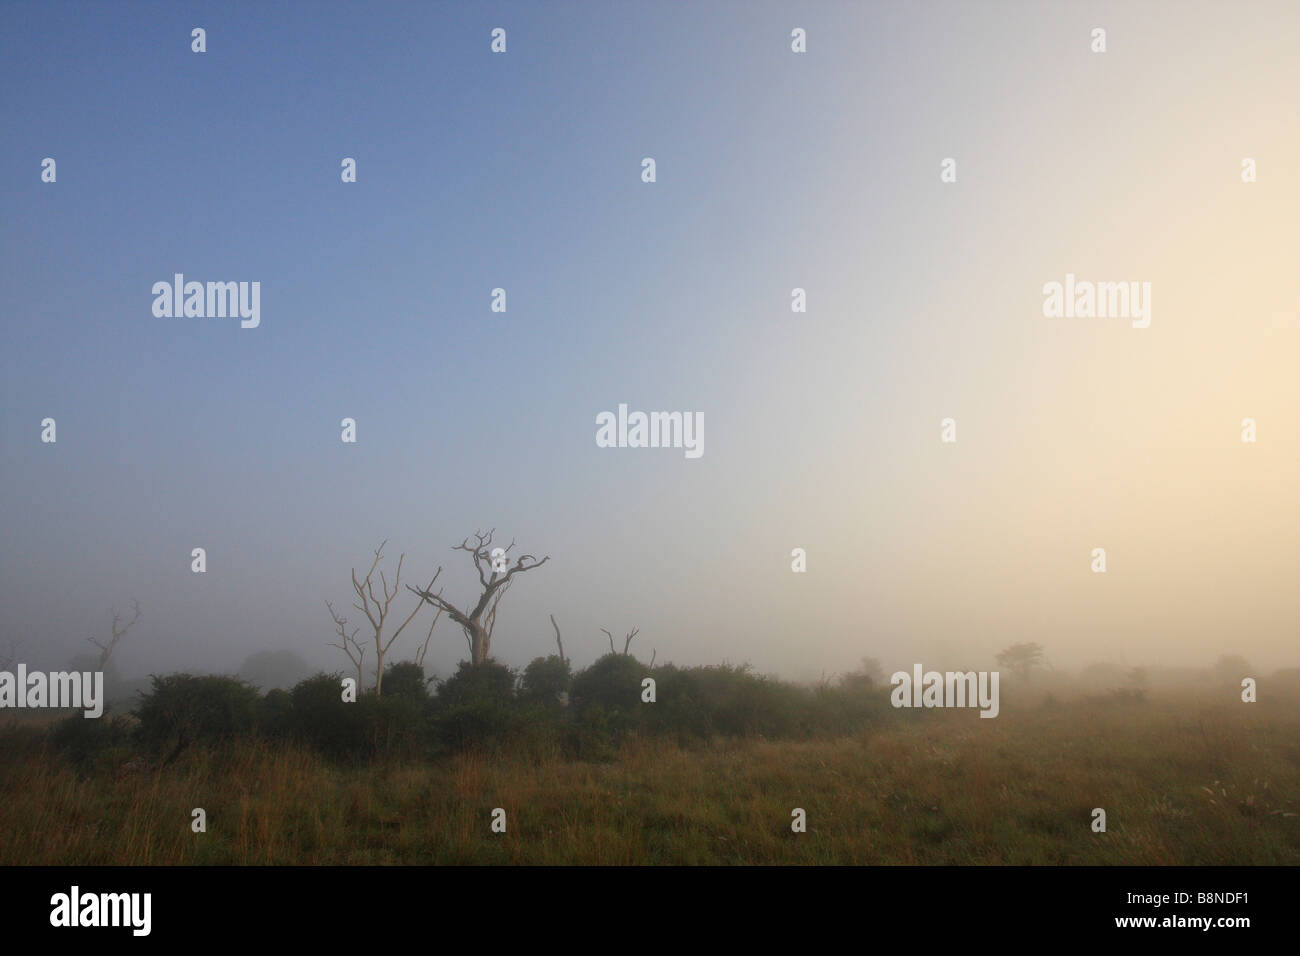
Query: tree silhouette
{"points": [[1022, 658]]}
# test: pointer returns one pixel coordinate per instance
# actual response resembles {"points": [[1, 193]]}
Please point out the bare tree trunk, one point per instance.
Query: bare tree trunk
{"points": [[480, 643], [558, 643]]}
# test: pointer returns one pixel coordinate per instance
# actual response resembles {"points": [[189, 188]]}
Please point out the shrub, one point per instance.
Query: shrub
{"points": [[406, 680], [476, 707], [94, 742], [319, 717], [613, 682], [847, 709], [477, 683], [593, 736], [277, 706], [545, 680], [183, 709]]}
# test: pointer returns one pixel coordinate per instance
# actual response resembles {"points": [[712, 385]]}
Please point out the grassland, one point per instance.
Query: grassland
{"points": [[1182, 781]]}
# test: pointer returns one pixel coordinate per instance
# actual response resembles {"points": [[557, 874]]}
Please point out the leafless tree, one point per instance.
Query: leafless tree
{"points": [[119, 632], [376, 608], [627, 641], [495, 574], [348, 643]]}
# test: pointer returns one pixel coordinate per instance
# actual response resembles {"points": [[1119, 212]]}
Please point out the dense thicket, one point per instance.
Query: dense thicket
{"points": [[544, 708]]}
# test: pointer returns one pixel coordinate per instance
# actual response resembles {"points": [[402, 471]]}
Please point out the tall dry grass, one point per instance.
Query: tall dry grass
{"points": [[1181, 781]]}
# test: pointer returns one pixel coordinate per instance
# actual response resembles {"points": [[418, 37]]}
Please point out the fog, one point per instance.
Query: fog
{"points": [[823, 429]]}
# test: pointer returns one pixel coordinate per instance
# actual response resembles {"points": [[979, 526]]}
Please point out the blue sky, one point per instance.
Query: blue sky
{"points": [[523, 171]]}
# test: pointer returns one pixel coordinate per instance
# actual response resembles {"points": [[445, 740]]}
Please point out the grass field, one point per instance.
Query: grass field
{"points": [[1181, 781]]}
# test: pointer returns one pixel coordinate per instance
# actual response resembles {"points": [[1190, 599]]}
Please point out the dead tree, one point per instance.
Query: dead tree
{"points": [[495, 574], [376, 608], [348, 643], [558, 643], [627, 641], [119, 632]]}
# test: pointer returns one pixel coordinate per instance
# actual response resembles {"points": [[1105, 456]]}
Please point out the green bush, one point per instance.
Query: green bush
{"points": [[544, 680], [476, 708], [320, 718], [92, 743], [477, 683], [277, 706], [489, 706], [613, 682], [392, 726], [184, 709], [849, 708], [406, 680], [314, 713], [593, 735]]}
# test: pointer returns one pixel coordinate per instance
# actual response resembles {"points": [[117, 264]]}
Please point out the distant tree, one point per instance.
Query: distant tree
{"points": [[495, 574], [1021, 659], [119, 632]]}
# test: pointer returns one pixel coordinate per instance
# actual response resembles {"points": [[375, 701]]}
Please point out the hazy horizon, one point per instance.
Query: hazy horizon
{"points": [[775, 171]]}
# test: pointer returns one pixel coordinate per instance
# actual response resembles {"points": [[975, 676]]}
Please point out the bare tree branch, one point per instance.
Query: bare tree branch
{"points": [[559, 643], [119, 632], [419, 655], [627, 641], [377, 606], [479, 621], [348, 643]]}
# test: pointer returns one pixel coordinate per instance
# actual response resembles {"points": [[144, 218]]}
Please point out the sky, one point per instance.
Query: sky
{"points": [[775, 170]]}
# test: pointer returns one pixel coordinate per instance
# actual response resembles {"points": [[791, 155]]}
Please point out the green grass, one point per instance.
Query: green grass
{"points": [[1182, 782]]}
